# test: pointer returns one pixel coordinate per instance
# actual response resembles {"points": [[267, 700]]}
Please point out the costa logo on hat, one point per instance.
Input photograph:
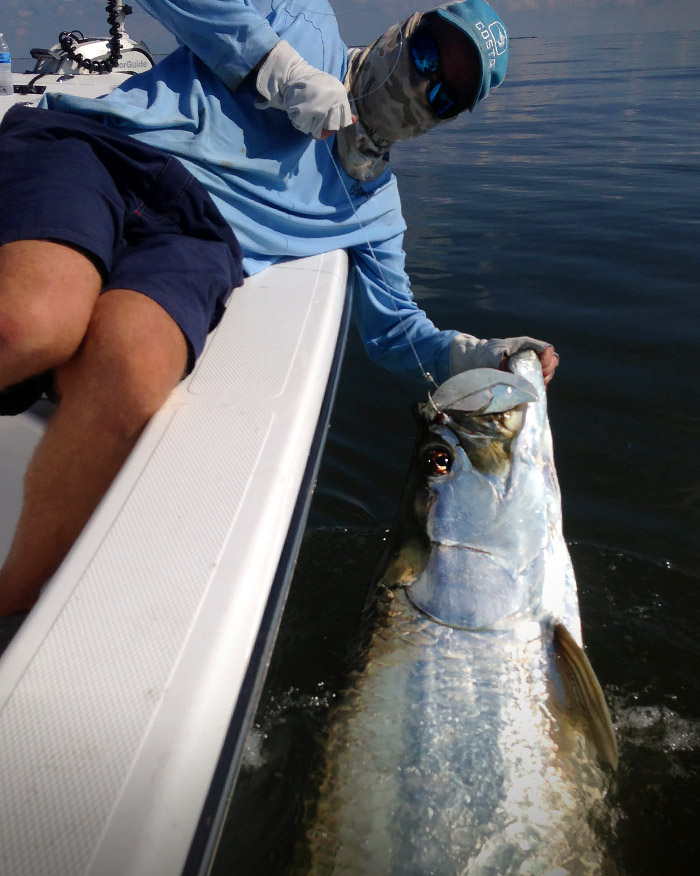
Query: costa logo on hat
{"points": [[477, 20]]}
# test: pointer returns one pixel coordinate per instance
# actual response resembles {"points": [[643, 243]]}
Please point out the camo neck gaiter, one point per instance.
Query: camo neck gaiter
{"points": [[388, 95]]}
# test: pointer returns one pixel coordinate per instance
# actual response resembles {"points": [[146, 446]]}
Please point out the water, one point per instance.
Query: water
{"points": [[566, 208]]}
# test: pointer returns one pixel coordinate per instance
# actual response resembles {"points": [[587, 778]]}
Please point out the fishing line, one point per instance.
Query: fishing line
{"points": [[425, 373], [386, 78], [357, 49]]}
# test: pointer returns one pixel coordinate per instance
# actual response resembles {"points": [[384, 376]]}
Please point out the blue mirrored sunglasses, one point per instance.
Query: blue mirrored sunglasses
{"points": [[426, 59]]}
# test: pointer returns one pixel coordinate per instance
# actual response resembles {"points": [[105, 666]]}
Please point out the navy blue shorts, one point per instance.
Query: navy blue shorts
{"points": [[141, 216]]}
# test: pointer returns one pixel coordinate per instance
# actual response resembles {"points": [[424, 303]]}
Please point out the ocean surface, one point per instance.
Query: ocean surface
{"points": [[567, 208]]}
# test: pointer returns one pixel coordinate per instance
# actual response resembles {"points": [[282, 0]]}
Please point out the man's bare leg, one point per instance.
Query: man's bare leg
{"points": [[133, 355]]}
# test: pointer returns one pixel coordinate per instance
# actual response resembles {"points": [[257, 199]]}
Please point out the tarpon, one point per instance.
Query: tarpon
{"points": [[475, 738]]}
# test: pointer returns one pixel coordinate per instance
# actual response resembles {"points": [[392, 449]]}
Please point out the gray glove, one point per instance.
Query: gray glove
{"points": [[313, 100], [469, 352]]}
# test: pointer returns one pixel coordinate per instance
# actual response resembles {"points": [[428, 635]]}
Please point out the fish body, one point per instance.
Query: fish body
{"points": [[474, 739]]}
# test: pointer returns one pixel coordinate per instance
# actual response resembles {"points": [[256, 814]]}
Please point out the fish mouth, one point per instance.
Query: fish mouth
{"points": [[487, 440], [483, 409], [482, 391]]}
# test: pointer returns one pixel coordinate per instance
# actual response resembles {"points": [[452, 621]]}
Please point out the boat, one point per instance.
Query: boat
{"points": [[127, 692]]}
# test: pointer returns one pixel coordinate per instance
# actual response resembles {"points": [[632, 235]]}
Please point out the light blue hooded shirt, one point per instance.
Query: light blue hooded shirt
{"points": [[284, 194]]}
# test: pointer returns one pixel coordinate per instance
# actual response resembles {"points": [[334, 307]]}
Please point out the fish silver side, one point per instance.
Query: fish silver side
{"points": [[475, 738]]}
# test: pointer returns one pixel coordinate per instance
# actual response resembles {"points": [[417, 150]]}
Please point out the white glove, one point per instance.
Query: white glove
{"points": [[469, 352], [313, 100]]}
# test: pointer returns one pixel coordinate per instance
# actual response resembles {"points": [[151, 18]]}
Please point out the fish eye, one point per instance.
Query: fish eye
{"points": [[438, 461]]}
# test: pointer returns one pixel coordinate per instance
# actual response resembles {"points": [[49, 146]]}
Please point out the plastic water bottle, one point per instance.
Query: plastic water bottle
{"points": [[5, 68]]}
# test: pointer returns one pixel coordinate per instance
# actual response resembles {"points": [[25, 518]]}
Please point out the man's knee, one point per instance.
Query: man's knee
{"points": [[33, 331]]}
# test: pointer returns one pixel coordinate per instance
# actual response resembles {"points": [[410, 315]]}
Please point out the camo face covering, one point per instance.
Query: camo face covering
{"points": [[388, 95]]}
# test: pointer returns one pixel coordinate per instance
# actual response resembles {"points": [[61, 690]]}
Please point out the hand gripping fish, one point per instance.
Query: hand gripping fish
{"points": [[475, 739]]}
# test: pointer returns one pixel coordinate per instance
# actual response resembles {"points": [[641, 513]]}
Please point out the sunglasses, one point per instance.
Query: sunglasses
{"points": [[426, 60]]}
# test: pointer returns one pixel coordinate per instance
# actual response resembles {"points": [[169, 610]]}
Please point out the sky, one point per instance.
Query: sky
{"points": [[30, 23]]}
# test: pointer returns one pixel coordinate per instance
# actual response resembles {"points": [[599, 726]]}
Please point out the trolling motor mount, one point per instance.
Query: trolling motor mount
{"points": [[75, 53]]}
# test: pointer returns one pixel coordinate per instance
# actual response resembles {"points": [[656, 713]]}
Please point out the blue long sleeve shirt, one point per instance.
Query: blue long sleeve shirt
{"points": [[284, 194]]}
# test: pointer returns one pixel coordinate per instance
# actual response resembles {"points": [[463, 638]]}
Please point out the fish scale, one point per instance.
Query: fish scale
{"points": [[430, 768]]}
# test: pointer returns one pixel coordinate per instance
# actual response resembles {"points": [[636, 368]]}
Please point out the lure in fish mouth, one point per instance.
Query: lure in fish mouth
{"points": [[482, 391]]}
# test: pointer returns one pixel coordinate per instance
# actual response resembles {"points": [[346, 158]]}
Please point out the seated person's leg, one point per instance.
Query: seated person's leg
{"points": [[55, 245], [132, 357], [171, 275]]}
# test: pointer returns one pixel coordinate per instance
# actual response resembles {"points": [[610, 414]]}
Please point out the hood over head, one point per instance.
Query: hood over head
{"points": [[389, 96]]}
